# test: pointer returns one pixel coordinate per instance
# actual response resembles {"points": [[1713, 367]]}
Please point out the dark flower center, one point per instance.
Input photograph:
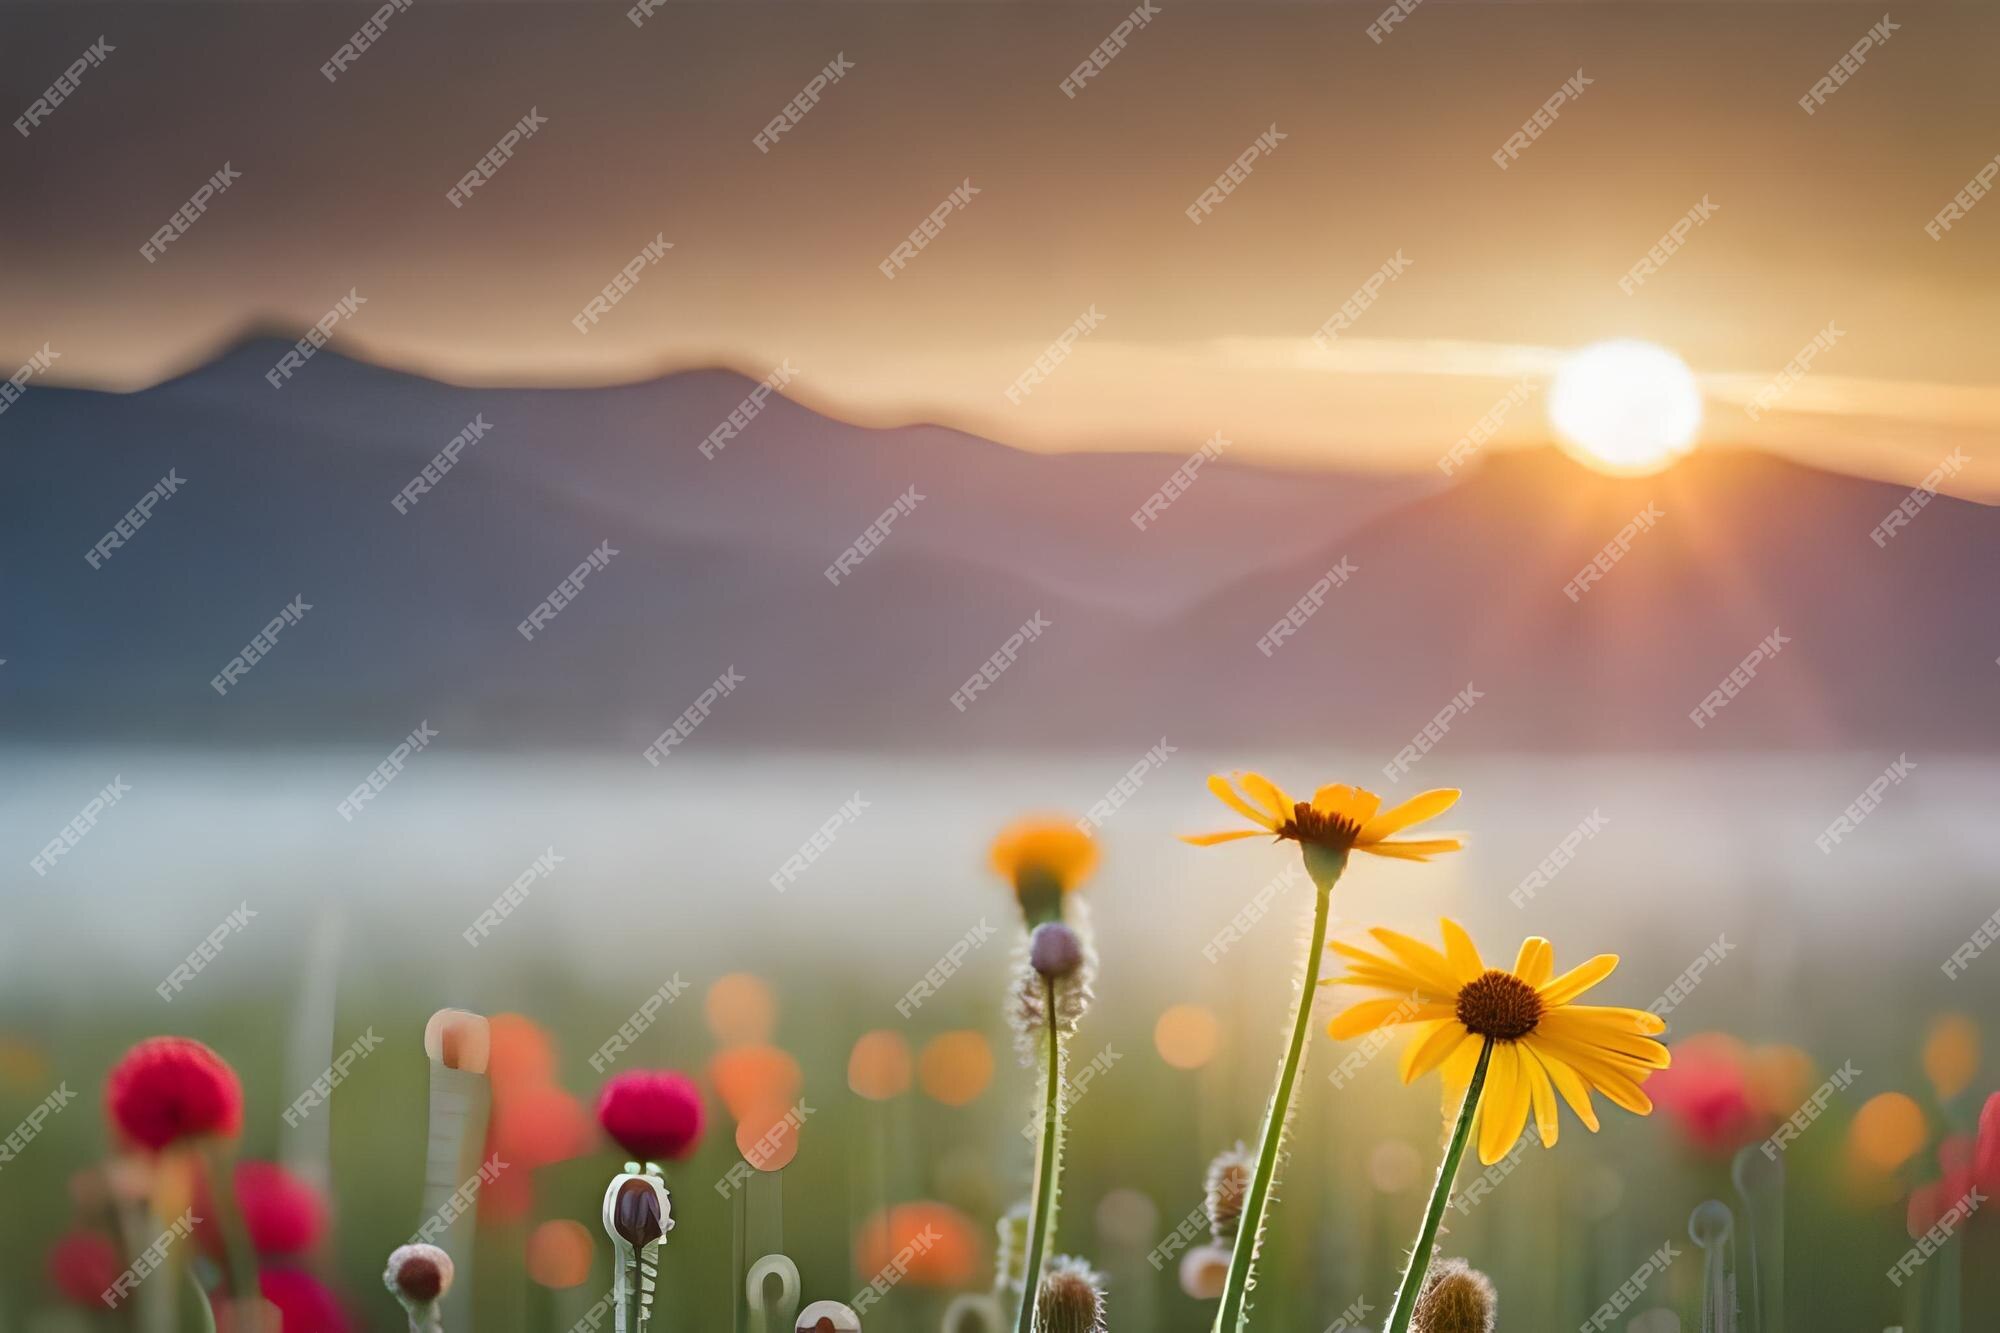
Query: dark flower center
{"points": [[1499, 1005], [419, 1279], [1319, 828]]}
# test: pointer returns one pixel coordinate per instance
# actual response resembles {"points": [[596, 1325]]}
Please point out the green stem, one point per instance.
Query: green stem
{"points": [[1250, 1228], [1048, 1165], [633, 1305], [1420, 1261], [235, 1237]]}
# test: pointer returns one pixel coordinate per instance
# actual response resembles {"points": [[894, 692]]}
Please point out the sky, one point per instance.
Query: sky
{"points": [[1376, 156]]}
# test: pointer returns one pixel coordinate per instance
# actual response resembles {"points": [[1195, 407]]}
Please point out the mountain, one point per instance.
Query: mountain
{"points": [[719, 564]]}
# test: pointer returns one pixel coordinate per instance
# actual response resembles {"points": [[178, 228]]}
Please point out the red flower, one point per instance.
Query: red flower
{"points": [[170, 1088], [83, 1264], [305, 1304], [652, 1113], [283, 1214], [1707, 1092]]}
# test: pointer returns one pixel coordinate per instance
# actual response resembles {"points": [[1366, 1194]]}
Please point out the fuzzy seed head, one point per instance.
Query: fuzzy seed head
{"points": [[1071, 1298], [1028, 1008], [1228, 1181], [1457, 1298]]}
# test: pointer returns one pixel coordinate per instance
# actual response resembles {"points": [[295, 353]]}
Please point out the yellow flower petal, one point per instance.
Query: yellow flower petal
{"points": [[1536, 961], [1268, 794], [1504, 1104], [1211, 839], [1462, 953], [1369, 1015], [1568, 1082], [1422, 806], [1355, 803], [1433, 1047], [1412, 849], [1227, 795], [1420, 958], [1578, 979], [1543, 1093]]}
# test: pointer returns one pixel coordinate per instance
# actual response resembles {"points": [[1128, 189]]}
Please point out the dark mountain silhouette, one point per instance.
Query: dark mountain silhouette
{"points": [[287, 494]]}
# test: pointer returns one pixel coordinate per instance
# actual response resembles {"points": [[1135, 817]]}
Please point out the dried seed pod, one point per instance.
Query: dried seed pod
{"points": [[1457, 1298], [1228, 1181], [1070, 1299]]}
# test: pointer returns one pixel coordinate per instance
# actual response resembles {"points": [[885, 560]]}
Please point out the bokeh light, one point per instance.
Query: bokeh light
{"points": [[741, 1009], [559, 1253], [1887, 1131], [939, 1243], [955, 1067], [768, 1135], [1951, 1054], [754, 1076], [879, 1066], [1187, 1036]]}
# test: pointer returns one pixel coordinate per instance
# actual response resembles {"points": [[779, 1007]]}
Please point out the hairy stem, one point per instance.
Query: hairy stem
{"points": [[1420, 1259], [1048, 1163], [1250, 1229]]}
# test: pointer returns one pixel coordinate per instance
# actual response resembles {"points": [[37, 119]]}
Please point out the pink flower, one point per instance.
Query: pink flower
{"points": [[653, 1114], [171, 1088]]}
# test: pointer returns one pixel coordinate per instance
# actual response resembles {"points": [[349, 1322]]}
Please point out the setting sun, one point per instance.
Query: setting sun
{"points": [[1625, 406]]}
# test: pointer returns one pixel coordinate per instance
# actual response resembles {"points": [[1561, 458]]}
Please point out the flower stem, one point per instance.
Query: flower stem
{"points": [[1048, 1164], [1420, 1260], [242, 1257], [1250, 1228]]}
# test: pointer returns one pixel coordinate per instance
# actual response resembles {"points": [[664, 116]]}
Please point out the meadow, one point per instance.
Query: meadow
{"points": [[868, 997]]}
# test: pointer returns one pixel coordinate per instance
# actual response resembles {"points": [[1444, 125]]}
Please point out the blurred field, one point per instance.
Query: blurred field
{"points": [[667, 873]]}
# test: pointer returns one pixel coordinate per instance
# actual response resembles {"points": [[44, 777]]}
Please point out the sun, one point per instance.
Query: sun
{"points": [[1625, 406]]}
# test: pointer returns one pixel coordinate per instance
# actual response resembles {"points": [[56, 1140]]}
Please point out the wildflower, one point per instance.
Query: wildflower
{"points": [[82, 1265], [1457, 1298], [304, 1304], [282, 1213], [1338, 820], [651, 1114], [1044, 859], [1966, 1162], [1519, 1031], [418, 1276], [1052, 986], [168, 1089], [1070, 1299], [1051, 995], [1542, 1042], [1709, 1095]]}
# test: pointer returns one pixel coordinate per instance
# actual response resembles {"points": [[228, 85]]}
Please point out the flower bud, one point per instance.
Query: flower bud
{"points": [[1457, 1298], [1070, 1299], [1228, 1181], [1054, 951]]}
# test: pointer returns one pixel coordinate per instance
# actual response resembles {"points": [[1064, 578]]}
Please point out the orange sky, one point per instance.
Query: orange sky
{"points": [[1081, 206]]}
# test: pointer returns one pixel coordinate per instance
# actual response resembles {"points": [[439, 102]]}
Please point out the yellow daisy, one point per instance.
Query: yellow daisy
{"points": [[1338, 819], [1544, 1043], [1044, 858]]}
